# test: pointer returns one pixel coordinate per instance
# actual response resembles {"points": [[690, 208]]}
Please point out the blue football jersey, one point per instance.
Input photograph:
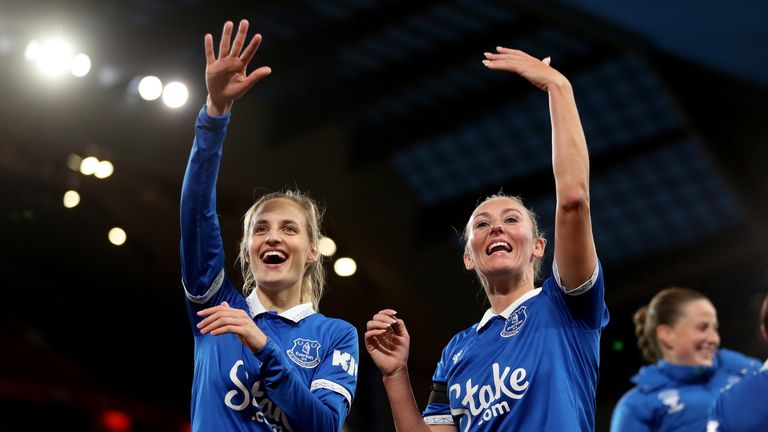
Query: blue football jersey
{"points": [[532, 367], [304, 378], [742, 407]]}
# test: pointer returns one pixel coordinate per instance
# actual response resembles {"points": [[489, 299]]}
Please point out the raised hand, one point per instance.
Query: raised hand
{"points": [[226, 76], [538, 72], [387, 342], [223, 319]]}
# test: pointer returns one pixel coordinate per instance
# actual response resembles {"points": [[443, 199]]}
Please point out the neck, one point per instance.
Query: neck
{"points": [[279, 300], [504, 291]]}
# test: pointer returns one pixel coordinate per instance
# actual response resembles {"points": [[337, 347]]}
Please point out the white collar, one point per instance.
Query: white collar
{"points": [[508, 311], [765, 367], [295, 314]]}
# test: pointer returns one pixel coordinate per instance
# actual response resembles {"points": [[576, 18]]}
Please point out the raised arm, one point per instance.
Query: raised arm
{"points": [[202, 256], [574, 244]]}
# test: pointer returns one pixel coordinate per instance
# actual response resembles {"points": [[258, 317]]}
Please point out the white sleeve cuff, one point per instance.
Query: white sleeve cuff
{"points": [[444, 419], [217, 283], [332, 386], [586, 286]]}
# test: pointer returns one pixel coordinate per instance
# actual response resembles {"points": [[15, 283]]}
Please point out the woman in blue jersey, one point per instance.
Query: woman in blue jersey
{"points": [[741, 407], [264, 360], [677, 333], [531, 363]]}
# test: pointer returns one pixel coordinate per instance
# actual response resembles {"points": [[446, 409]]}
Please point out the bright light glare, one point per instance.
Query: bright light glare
{"points": [[150, 88], [81, 65], [326, 246], [104, 170], [32, 51], [117, 236], [175, 94], [71, 199], [345, 267], [54, 57], [89, 165]]}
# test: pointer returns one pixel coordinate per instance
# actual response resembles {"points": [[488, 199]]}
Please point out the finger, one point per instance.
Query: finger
{"points": [[226, 34], [256, 76], [219, 323], [209, 57], [389, 319], [547, 61], [250, 50], [390, 312], [208, 311], [225, 305], [399, 328], [237, 45], [502, 65], [378, 325], [503, 50], [374, 333]]}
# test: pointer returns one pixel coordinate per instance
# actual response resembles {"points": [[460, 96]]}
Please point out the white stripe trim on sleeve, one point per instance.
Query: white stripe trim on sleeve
{"points": [[443, 419], [332, 386], [217, 283], [586, 286]]}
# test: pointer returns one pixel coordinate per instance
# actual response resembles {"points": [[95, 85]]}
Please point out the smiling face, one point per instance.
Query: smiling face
{"points": [[279, 249], [502, 240], [693, 339]]}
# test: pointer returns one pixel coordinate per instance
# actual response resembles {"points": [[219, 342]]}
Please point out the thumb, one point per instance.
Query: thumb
{"points": [[547, 61]]}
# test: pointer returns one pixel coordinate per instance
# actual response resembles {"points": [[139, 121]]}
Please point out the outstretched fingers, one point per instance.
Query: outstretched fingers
{"points": [[237, 45], [209, 56], [226, 35], [251, 49]]}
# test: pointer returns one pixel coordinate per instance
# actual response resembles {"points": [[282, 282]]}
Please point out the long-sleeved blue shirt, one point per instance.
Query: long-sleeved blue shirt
{"points": [[304, 378], [742, 407], [670, 397]]}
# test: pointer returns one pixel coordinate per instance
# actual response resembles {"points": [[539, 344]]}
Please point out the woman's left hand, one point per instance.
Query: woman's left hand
{"points": [[224, 319], [538, 72]]}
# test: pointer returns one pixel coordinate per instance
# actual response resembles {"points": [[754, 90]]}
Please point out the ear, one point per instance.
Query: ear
{"points": [[313, 254], [538, 247], [665, 336], [469, 264]]}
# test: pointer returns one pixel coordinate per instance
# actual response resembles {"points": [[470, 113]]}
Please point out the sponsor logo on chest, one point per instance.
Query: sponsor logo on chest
{"points": [[486, 402]]}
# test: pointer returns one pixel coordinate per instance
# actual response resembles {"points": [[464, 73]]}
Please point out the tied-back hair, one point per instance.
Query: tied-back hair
{"points": [[664, 309], [313, 282], [764, 314], [531, 215]]}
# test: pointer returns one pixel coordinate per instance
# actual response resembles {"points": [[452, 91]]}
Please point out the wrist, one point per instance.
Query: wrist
{"points": [[217, 108], [398, 375]]}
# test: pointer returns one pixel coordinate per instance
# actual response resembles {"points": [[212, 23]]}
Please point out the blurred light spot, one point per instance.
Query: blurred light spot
{"points": [[116, 421], [71, 199], [89, 165], [81, 65], [618, 345], [104, 169], [54, 57], [326, 246], [74, 161], [150, 88], [345, 267], [32, 51], [175, 94], [117, 236]]}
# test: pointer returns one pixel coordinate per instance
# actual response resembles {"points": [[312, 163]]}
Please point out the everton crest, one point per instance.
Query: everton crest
{"points": [[515, 322], [305, 353]]}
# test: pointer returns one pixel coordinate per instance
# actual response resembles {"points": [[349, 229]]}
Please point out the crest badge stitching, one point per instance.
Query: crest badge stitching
{"points": [[515, 322], [305, 353]]}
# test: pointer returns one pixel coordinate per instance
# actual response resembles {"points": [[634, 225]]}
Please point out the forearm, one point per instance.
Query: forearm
{"points": [[304, 410], [405, 411], [570, 159], [201, 245]]}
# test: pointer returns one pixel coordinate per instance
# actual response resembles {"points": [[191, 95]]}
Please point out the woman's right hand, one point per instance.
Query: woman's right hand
{"points": [[226, 77], [387, 342]]}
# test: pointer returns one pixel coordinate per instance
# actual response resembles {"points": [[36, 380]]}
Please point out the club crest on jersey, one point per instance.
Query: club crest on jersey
{"points": [[671, 398], [515, 322], [305, 353]]}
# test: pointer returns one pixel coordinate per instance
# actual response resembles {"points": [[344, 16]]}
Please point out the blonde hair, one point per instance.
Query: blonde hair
{"points": [[534, 227], [313, 281]]}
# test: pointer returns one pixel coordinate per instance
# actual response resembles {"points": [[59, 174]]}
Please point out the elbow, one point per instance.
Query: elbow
{"points": [[575, 200]]}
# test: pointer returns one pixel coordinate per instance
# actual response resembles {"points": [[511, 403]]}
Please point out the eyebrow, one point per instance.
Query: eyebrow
{"points": [[282, 222], [506, 210]]}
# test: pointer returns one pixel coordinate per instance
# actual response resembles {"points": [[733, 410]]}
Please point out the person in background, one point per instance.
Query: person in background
{"points": [[677, 333], [742, 407]]}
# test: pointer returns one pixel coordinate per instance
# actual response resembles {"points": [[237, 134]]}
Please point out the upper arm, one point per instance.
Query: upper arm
{"points": [[441, 428], [575, 251]]}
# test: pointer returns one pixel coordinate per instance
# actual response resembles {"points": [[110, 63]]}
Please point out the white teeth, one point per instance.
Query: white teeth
{"points": [[273, 253], [498, 243]]}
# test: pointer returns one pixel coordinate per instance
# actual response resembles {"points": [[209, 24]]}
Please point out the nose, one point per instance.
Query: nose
{"points": [[273, 238], [714, 337], [496, 228]]}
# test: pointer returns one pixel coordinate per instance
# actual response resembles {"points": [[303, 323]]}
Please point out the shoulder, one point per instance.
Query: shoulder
{"points": [[736, 362], [635, 403], [334, 325]]}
